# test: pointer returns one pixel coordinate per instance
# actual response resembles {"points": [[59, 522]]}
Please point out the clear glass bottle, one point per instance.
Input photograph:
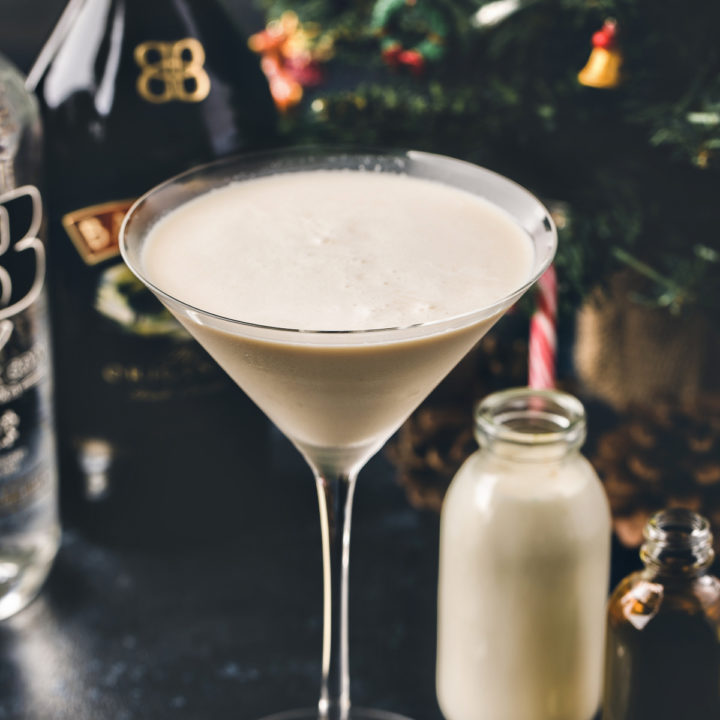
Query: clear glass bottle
{"points": [[524, 567], [29, 527], [663, 627]]}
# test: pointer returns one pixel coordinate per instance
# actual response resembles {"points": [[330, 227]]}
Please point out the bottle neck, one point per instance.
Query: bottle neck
{"points": [[85, 16], [678, 543], [530, 426]]}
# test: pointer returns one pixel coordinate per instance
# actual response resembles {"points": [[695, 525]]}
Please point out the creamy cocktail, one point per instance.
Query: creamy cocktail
{"points": [[338, 289], [337, 251]]}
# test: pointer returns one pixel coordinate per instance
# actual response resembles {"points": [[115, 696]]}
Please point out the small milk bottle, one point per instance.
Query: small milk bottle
{"points": [[524, 567]]}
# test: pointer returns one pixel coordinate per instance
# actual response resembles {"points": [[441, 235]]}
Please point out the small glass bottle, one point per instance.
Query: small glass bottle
{"points": [[29, 527], [524, 567], [663, 628]]}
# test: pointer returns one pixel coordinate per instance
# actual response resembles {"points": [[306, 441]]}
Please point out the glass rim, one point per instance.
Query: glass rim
{"points": [[677, 540], [681, 524], [308, 153], [493, 413]]}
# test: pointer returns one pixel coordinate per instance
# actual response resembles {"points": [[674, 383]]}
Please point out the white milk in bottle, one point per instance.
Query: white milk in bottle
{"points": [[524, 567]]}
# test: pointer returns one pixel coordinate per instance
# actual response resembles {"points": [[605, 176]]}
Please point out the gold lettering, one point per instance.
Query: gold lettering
{"points": [[94, 233], [112, 373], [172, 71]]}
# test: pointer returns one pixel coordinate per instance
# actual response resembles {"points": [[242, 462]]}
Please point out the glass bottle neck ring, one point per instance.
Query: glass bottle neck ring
{"points": [[530, 425]]}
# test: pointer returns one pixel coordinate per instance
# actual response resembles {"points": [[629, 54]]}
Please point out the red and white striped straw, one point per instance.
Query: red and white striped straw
{"points": [[542, 347]]}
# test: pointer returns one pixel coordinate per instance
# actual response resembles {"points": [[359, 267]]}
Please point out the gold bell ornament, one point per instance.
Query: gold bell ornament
{"points": [[602, 69]]}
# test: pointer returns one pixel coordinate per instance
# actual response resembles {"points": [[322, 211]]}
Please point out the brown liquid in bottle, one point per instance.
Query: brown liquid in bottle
{"points": [[663, 646]]}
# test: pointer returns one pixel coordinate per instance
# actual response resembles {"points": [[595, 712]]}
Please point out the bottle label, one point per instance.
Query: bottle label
{"points": [[95, 230], [156, 373], [172, 71], [120, 297], [642, 603]]}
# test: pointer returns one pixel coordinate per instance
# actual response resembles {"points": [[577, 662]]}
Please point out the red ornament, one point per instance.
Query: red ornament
{"points": [[290, 58], [607, 37], [391, 54], [413, 60], [395, 56]]}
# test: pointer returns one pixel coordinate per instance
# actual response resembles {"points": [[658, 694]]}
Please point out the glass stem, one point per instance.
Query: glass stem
{"points": [[335, 496]]}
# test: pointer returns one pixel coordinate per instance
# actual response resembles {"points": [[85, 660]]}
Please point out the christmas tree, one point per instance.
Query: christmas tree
{"points": [[611, 107]]}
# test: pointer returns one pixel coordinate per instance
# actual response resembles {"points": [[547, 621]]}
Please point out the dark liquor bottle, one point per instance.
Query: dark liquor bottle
{"points": [[663, 629], [154, 439]]}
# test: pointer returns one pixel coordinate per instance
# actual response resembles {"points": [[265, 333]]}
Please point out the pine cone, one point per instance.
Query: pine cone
{"points": [[437, 438], [659, 457], [429, 450]]}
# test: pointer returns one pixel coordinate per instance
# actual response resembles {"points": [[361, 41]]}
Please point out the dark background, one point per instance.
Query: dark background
{"points": [[24, 25]]}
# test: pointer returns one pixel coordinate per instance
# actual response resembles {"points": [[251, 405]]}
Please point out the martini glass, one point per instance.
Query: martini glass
{"points": [[338, 395]]}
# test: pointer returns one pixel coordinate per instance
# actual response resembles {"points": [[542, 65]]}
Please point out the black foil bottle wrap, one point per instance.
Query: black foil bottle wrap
{"points": [[156, 443]]}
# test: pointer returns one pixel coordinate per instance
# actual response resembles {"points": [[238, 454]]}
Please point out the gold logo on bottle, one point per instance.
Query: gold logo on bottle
{"points": [[94, 230], [172, 71]]}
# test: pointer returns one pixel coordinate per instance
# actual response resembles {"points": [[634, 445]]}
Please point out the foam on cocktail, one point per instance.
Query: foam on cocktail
{"points": [[338, 250]]}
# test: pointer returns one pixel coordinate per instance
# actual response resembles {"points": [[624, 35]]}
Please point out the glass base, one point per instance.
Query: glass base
{"points": [[354, 714]]}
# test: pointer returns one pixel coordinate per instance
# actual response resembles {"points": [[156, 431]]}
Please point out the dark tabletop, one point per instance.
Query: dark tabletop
{"points": [[230, 628]]}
